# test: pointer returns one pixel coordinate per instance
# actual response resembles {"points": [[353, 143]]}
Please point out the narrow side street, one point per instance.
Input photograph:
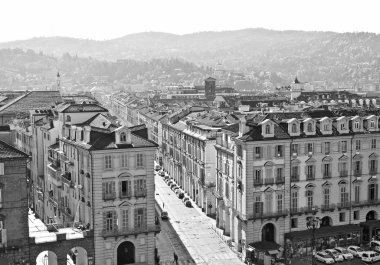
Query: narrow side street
{"points": [[194, 230]]}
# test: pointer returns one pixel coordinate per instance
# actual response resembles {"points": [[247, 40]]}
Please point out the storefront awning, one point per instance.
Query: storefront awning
{"points": [[323, 232], [371, 223], [265, 245]]}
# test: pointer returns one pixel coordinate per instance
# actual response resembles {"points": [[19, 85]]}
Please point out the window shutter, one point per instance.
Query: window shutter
{"points": [[144, 218], [104, 221], [114, 217], [113, 189], [4, 236], [120, 186], [269, 155], [135, 186], [369, 192], [104, 189], [135, 217], [376, 191], [306, 151], [1, 168], [323, 147]]}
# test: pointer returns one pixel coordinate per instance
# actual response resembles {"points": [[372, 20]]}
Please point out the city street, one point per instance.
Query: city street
{"points": [[194, 230], [307, 261]]}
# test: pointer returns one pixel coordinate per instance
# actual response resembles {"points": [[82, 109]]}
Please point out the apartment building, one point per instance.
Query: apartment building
{"points": [[13, 205], [291, 166]]}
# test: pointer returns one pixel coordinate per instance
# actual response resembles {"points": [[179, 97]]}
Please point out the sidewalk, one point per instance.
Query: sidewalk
{"points": [[195, 229]]}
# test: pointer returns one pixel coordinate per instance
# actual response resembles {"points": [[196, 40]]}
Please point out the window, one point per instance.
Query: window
{"points": [[357, 194], [258, 206], [372, 124], [357, 125], [227, 190], [372, 192], [309, 127], [258, 152], [1, 196], [294, 149], [267, 129], [310, 172], [109, 190], [279, 150], [294, 222], [373, 143], [3, 233], [140, 219], [110, 221], [357, 145], [125, 189], [343, 196], [327, 170], [124, 219], [326, 197], [326, 146], [326, 127], [343, 146], [294, 128], [342, 126], [124, 160], [309, 197], [140, 160], [279, 202], [357, 167], [309, 148], [257, 177], [107, 162], [342, 217], [373, 166], [279, 173], [140, 187], [123, 137], [268, 201], [356, 215], [295, 173], [1, 168], [68, 118], [294, 199]]}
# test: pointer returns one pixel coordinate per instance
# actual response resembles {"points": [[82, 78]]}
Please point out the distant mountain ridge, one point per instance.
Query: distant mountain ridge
{"points": [[316, 55]]}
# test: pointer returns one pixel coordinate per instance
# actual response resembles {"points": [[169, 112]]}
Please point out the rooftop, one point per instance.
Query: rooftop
{"points": [[8, 152]]}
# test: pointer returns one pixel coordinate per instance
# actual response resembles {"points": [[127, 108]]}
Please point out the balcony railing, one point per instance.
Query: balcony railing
{"points": [[310, 176], [130, 231], [269, 214], [126, 194], [365, 203], [373, 171], [140, 193], [269, 181], [304, 210], [109, 196], [343, 174], [280, 180], [357, 173], [295, 178], [326, 175], [257, 182], [328, 207], [343, 205]]}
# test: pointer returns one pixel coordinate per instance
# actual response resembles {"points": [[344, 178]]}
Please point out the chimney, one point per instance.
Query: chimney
{"points": [[243, 128], [87, 131]]}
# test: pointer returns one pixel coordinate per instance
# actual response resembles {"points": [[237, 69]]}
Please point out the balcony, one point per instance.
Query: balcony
{"points": [[343, 205], [130, 231], [310, 176], [343, 174], [357, 173], [257, 182], [269, 215], [311, 209], [365, 203], [66, 178], [294, 178], [140, 193], [372, 171], [280, 180], [328, 207], [326, 175], [109, 196], [125, 194], [304, 210], [269, 181]]}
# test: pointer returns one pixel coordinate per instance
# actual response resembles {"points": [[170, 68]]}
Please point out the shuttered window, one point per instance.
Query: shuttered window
{"points": [[140, 218], [110, 221]]}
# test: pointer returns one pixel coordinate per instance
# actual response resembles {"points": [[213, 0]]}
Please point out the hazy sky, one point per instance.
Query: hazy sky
{"points": [[101, 19]]}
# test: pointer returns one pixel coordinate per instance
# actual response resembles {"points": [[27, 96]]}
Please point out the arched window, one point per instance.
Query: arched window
{"points": [[123, 137], [309, 127], [68, 118]]}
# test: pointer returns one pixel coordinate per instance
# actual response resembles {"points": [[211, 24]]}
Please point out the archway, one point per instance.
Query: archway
{"points": [[371, 215], [46, 257], [77, 256], [126, 253], [268, 233], [326, 221]]}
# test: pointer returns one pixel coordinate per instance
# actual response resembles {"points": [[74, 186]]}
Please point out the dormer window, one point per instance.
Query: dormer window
{"points": [[372, 124], [267, 129], [294, 128], [342, 126], [326, 127], [123, 137], [68, 118], [357, 125], [309, 127]]}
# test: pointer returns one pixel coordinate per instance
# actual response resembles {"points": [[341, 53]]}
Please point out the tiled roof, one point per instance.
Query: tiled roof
{"points": [[32, 100], [9, 152]]}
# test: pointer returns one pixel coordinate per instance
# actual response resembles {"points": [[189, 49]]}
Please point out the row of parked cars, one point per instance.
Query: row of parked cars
{"points": [[338, 254], [179, 192]]}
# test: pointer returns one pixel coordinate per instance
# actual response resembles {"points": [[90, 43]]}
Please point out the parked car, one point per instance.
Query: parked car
{"points": [[375, 245], [370, 256], [174, 186], [346, 255], [164, 215], [179, 190], [188, 204], [185, 199], [355, 250], [181, 195], [161, 173], [157, 168], [324, 257], [335, 255]]}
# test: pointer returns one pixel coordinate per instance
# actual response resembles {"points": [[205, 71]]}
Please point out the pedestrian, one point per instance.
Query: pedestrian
{"points": [[163, 205], [175, 258]]}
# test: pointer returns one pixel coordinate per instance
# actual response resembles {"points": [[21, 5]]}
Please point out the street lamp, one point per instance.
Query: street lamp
{"points": [[313, 224]]}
